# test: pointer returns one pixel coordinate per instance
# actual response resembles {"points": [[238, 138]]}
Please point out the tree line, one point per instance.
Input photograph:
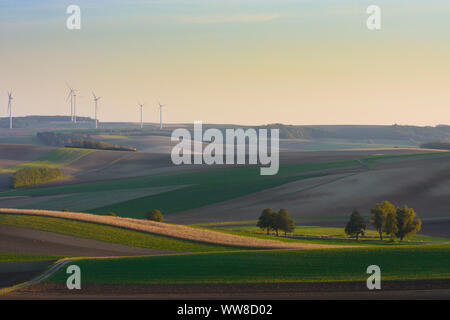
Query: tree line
{"points": [[100, 145], [400, 222]]}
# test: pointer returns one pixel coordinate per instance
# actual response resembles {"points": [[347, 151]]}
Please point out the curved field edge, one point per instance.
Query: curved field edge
{"points": [[104, 233], [171, 230], [270, 266]]}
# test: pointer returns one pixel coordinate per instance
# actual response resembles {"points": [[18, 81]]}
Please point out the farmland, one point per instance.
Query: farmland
{"points": [[210, 237], [413, 262]]}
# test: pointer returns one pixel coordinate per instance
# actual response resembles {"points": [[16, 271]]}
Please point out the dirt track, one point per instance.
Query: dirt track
{"points": [[176, 231], [29, 241]]}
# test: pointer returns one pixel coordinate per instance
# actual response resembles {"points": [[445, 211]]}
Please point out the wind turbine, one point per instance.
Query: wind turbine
{"points": [[96, 100], [71, 96], [10, 97], [141, 105], [160, 114]]}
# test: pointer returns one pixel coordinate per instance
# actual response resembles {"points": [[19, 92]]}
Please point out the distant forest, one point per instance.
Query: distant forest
{"points": [[436, 145], [78, 140], [414, 134], [394, 132]]}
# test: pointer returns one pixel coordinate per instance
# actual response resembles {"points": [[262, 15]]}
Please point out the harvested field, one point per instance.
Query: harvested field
{"points": [[29, 241], [95, 160], [13, 154], [423, 184], [175, 231]]}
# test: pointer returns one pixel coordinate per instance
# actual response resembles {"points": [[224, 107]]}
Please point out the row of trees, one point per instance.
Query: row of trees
{"points": [[401, 222], [51, 138], [101, 145], [276, 221]]}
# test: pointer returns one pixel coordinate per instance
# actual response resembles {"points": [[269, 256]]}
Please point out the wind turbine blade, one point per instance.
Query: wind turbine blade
{"points": [[68, 86]]}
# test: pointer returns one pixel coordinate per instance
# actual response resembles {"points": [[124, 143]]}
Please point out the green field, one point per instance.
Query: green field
{"points": [[197, 189], [396, 263], [108, 234], [54, 159], [85, 201], [202, 188], [318, 231]]}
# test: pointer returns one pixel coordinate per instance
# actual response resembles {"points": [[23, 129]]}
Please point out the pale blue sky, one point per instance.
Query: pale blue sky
{"points": [[254, 61]]}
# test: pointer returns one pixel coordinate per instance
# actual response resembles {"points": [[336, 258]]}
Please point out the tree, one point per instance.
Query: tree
{"points": [[155, 215], [407, 222], [356, 225], [267, 219], [390, 225], [378, 215], [284, 222]]}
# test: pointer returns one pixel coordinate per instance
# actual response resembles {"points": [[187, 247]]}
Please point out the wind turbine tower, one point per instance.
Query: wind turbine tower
{"points": [[70, 95], [160, 114], [10, 97], [141, 105], [74, 106], [96, 100]]}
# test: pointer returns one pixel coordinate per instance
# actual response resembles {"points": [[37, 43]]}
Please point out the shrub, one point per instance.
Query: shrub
{"points": [[112, 214], [33, 176], [155, 215]]}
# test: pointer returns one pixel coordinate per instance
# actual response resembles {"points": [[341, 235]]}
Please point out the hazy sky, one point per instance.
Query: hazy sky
{"points": [[249, 62]]}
